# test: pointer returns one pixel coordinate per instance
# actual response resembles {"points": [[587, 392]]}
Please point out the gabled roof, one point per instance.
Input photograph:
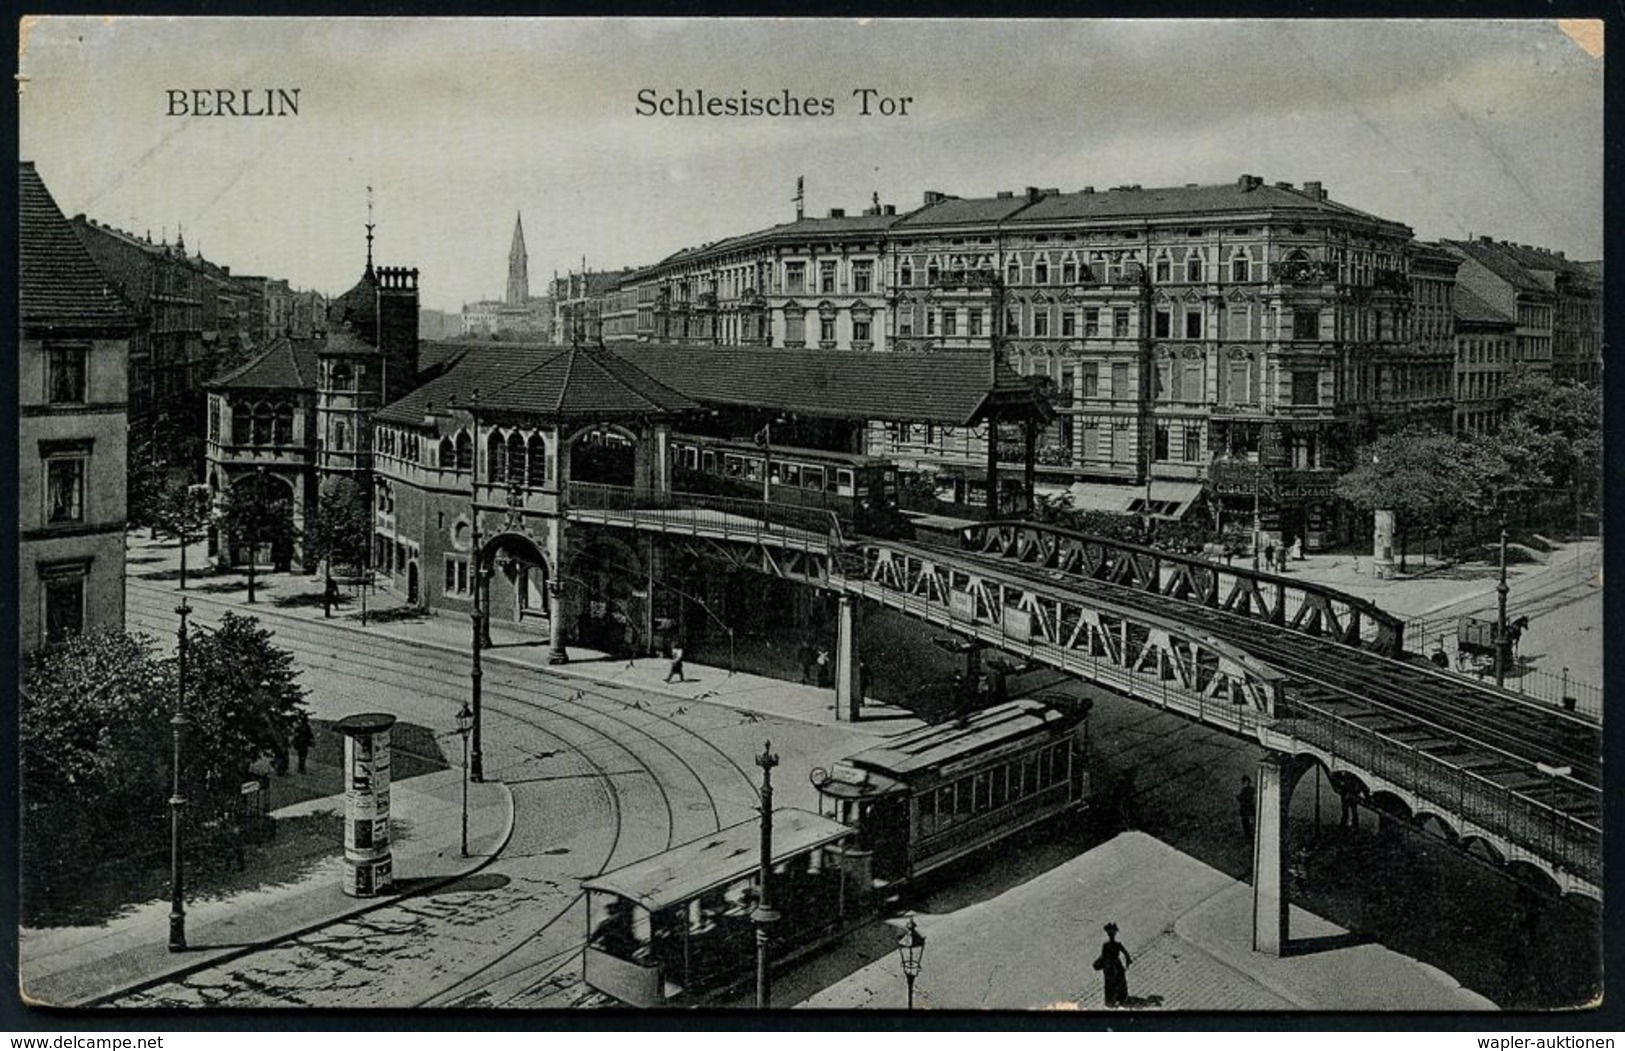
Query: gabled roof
{"points": [[565, 383], [58, 285], [950, 387], [1498, 262], [981, 732], [1244, 196], [1469, 308], [287, 364]]}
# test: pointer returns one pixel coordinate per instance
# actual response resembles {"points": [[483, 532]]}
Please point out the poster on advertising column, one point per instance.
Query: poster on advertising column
{"points": [[367, 861]]}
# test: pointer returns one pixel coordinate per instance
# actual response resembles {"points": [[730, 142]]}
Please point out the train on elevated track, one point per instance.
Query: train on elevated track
{"points": [[861, 491]]}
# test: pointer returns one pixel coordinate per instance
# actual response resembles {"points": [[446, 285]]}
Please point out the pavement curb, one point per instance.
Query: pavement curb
{"points": [[363, 908], [575, 671]]}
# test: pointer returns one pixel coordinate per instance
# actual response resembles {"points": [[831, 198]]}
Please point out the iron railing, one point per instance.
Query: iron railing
{"points": [[806, 528], [1563, 840]]}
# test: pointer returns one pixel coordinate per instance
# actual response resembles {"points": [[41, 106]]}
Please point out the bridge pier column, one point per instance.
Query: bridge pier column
{"points": [[848, 664], [555, 594], [1277, 774]]}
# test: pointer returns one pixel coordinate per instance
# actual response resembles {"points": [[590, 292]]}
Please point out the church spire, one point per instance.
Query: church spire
{"points": [[370, 225], [518, 266]]}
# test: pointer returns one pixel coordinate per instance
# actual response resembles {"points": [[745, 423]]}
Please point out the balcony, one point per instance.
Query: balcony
{"points": [[1305, 272]]}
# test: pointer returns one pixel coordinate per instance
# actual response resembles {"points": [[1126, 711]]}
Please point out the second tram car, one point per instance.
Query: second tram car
{"points": [[677, 928], [860, 490], [935, 794]]}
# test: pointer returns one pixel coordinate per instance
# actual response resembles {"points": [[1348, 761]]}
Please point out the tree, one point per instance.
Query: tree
{"points": [[1424, 476], [340, 530], [182, 512], [242, 700], [1552, 437], [95, 742], [256, 514]]}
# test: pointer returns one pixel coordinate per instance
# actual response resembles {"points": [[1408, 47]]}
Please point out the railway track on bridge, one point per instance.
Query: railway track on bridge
{"points": [[1494, 734]]}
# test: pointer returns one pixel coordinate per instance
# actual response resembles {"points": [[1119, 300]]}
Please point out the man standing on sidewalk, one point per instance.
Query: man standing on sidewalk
{"points": [[676, 671], [1246, 805]]}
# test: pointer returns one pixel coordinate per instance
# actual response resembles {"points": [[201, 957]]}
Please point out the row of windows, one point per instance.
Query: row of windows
{"points": [[974, 795], [796, 278]]}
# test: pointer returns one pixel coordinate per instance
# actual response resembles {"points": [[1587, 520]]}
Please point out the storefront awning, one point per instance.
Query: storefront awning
{"points": [[1169, 500]]}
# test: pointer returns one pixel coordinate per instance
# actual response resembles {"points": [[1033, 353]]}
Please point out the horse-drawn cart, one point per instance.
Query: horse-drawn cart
{"points": [[1475, 643]]}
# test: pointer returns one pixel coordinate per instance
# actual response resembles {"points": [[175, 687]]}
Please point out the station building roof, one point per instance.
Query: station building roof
{"points": [[714, 861], [58, 285], [580, 383], [947, 387], [287, 364]]}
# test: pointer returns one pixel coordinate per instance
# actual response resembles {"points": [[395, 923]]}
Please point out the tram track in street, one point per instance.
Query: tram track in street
{"points": [[578, 704]]}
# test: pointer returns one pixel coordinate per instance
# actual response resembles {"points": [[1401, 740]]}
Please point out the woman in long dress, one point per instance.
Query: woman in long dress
{"points": [[1113, 964]]}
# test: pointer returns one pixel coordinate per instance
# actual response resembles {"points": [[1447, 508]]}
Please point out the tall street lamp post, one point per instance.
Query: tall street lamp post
{"points": [[911, 949], [765, 916], [465, 723], [477, 612], [178, 723], [1501, 590]]}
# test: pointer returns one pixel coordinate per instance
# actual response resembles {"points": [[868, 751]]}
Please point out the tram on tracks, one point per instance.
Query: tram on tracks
{"points": [[860, 490], [676, 929], [939, 793]]}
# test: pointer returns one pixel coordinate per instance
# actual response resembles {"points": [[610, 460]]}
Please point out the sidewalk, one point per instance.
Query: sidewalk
{"points": [[299, 598], [86, 966], [1431, 588], [1187, 926]]}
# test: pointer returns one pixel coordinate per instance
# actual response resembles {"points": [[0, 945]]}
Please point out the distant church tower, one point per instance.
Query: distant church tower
{"points": [[518, 274]]}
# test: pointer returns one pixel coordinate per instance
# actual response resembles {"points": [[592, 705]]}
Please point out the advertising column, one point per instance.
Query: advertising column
{"points": [[367, 862]]}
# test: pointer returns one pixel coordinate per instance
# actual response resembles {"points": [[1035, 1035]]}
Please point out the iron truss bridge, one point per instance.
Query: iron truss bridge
{"points": [[1302, 669]]}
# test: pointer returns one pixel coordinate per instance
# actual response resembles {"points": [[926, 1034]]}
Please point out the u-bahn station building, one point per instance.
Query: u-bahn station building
{"points": [[474, 454]]}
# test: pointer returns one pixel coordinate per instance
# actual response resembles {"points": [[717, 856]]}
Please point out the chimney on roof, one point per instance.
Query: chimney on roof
{"points": [[1560, 254], [888, 209], [1005, 195], [1485, 239], [935, 197], [1088, 189], [1249, 183], [1283, 186], [1051, 190], [1315, 190], [1034, 195], [837, 213]]}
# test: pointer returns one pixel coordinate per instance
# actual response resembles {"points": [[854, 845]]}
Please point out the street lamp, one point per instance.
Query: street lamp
{"points": [[178, 723], [765, 915], [476, 613], [1501, 590], [465, 723], [911, 948]]}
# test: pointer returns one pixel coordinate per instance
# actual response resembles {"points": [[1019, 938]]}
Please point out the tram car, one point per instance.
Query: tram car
{"points": [[676, 929], [936, 794], [860, 490]]}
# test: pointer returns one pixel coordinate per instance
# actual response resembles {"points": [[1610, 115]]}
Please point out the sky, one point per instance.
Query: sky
{"points": [[1455, 128]]}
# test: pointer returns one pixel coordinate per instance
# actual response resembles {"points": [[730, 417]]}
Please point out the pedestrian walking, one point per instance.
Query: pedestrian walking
{"points": [[824, 677], [676, 671], [1246, 805], [805, 656], [303, 738], [1113, 964], [1297, 550], [1280, 555], [1269, 555]]}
